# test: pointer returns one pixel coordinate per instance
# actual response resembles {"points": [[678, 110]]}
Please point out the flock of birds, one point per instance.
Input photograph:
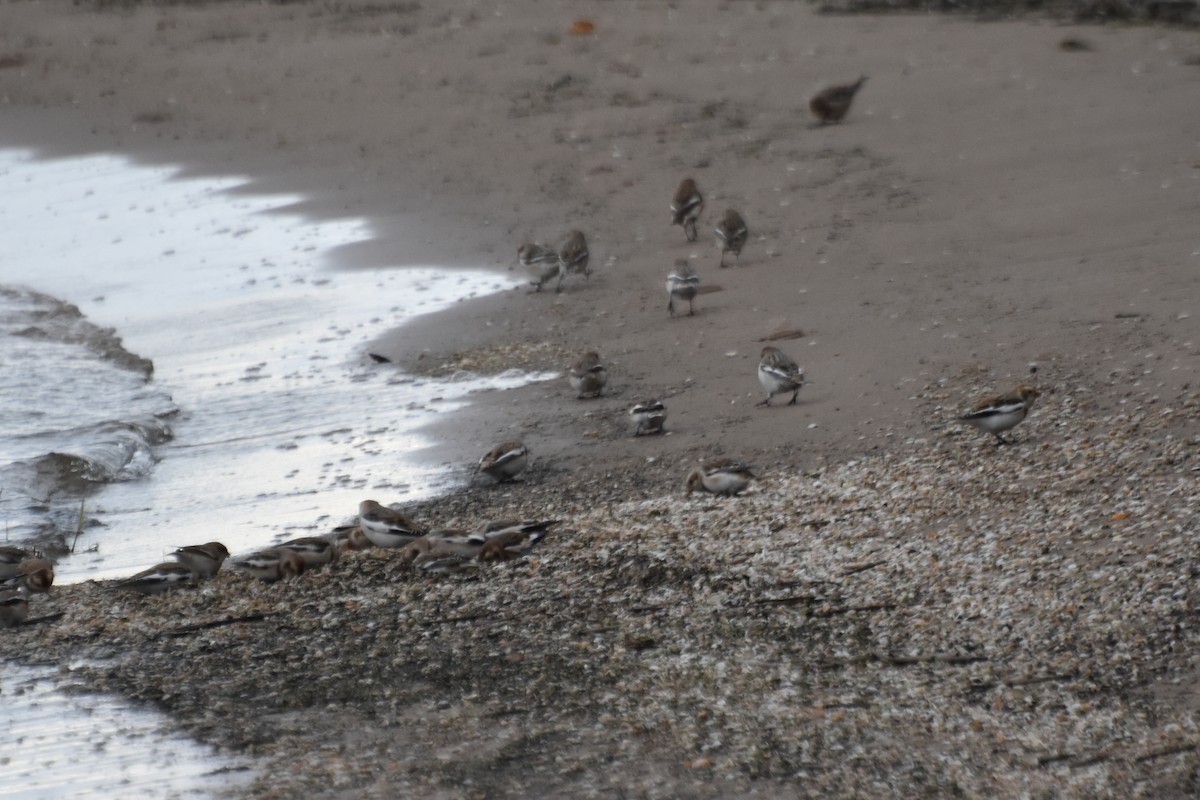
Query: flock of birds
{"points": [[24, 573]]}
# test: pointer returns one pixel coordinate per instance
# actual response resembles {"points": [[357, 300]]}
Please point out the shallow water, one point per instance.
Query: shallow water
{"points": [[264, 417], [56, 743]]}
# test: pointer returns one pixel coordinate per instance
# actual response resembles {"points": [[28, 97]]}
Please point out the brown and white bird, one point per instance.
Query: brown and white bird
{"points": [[315, 550], [830, 105], [649, 417], [386, 527], [350, 537], [724, 477], [505, 461], [995, 415], [10, 560], [33, 576], [14, 608], [541, 261], [273, 565], [204, 560], [779, 374], [684, 283], [731, 234], [158, 579], [573, 257], [686, 207], [588, 375]]}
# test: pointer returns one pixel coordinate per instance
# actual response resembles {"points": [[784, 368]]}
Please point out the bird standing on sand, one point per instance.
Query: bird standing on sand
{"points": [[10, 560], [158, 579], [684, 283], [995, 415], [541, 261], [573, 257], [386, 527], [14, 608], [649, 417], [686, 207], [504, 461], [723, 477], [588, 375], [316, 551], [273, 565], [830, 105], [204, 560], [779, 374], [731, 234]]}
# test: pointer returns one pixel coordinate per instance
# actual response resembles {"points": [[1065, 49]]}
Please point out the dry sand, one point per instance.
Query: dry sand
{"points": [[991, 201]]}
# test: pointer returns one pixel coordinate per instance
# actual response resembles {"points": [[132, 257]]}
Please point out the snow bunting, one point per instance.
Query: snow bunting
{"points": [[35, 575], [204, 560], [158, 579], [720, 477], [315, 551], [779, 374], [505, 461], [350, 538], [540, 260], [273, 565], [731, 234], [684, 283], [10, 560], [510, 544], [588, 375], [686, 207], [501, 526], [573, 257], [14, 608], [648, 417], [1003, 412], [386, 527], [830, 105], [436, 562]]}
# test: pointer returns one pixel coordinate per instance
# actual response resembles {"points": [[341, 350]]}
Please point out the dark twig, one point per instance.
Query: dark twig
{"points": [[184, 630]]}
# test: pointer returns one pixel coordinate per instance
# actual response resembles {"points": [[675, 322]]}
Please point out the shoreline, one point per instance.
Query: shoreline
{"points": [[950, 233]]}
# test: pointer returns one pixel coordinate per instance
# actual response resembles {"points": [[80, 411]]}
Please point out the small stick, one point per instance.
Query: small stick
{"points": [[183, 630]]}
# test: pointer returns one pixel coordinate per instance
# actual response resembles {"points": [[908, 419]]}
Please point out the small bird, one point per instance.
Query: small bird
{"points": [[451, 540], [35, 575], [995, 415], [386, 527], [684, 283], [273, 565], [315, 551], [541, 261], [158, 579], [501, 526], [573, 257], [436, 562], [649, 417], [830, 105], [10, 560], [14, 608], [686, 207], [204, 560], [508, 545], [720, 477], [779, 374], [350, 538], [588, 375], [505, 461], [731, 234]]}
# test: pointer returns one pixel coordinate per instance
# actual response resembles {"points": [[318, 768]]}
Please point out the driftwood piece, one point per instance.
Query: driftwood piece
{"points": [[184, 630]]}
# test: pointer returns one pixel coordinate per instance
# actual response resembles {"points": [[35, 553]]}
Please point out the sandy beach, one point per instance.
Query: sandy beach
{"points": [[994, 201]]}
